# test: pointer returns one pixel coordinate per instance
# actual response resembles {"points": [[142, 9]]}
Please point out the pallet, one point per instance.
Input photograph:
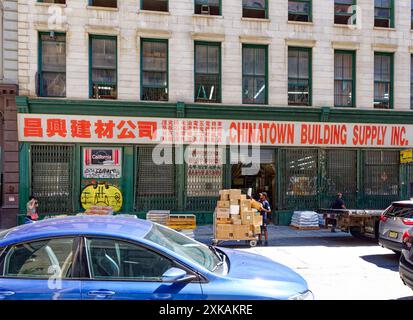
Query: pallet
{"points": [[304, 228]]}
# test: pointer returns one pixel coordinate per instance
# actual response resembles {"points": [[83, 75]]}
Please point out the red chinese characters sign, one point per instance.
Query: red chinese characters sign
{"points": [[138, 130]]}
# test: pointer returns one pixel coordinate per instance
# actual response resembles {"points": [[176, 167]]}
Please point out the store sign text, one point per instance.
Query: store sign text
{"points": [[134, 130]]}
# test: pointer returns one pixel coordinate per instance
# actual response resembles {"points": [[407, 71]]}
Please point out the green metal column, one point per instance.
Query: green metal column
{"points": [[227, 169], [24, 177], [180, 176], [360, 168], [77, 164], [128, 179]]}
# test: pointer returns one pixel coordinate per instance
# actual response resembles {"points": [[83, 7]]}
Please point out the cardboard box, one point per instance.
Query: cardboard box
{"points": [[236, 219], [234, 202], [245, 204], [241, 231], [247, 217], [234, 209], [243, 197], [222, 213], [256, 205], [256, 229], [234, 194], [224, 235], [223, 221], [224, 195], [223, 204], [257, 219]]}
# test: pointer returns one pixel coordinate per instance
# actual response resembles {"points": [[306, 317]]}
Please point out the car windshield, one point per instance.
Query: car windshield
{"points": [[3, 234], [399, 212], [184, 246]]}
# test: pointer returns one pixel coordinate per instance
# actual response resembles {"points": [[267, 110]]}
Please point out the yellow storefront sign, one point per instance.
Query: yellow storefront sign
{"points": [[102, 195], [406, 156]]}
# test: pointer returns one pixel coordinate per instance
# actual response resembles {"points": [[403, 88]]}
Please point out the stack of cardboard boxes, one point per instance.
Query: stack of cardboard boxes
{"points": [[235, 217]]}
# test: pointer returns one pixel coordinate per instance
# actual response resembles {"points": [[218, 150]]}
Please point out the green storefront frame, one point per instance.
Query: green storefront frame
{"points": [[205, 111]]}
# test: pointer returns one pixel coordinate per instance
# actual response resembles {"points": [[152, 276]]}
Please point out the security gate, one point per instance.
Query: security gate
{"points": [[51, 180], [155, 183]]}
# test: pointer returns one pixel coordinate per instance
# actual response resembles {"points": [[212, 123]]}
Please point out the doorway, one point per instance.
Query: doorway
{"points": [[260, 176]]}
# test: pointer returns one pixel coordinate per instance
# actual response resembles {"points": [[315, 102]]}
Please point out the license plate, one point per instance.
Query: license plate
{"points": [[393, 234]]}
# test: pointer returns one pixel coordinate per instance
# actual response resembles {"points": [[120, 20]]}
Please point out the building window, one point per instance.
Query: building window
{"points": [[344, 11], [411, 14], [299, 10], [103, 74], [254, 74], [299, 76], [104, 3], [384, 13], [53, 1], [344, 79], [208, 7], [52, 65], [255, 9], [154, 70], [207, 72], [383, 80], [155, 5]]}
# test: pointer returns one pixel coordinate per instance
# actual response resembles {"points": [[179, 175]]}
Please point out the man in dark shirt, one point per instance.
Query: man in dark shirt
{"points": [[337, 204], [266, 209]]}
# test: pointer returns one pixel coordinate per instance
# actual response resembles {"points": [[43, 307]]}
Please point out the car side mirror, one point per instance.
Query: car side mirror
{"points": [[177, 275]]}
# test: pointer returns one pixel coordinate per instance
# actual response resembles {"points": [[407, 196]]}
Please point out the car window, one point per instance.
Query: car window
{"points": [[188, 248], [399, 212], [114, 259], [40, 259]]}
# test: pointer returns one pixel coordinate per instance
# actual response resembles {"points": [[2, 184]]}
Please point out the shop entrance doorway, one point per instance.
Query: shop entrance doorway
{"points": [[259, 176]]}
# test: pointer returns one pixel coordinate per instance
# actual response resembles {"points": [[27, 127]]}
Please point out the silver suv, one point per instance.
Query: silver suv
{"points": [[394, 221]]}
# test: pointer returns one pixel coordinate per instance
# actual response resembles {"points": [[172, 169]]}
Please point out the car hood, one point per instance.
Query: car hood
{"points": [[249, 266]]}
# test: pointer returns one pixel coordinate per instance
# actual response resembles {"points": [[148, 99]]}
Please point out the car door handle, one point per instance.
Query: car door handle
{"points": [[6, 293], [101, 293]]}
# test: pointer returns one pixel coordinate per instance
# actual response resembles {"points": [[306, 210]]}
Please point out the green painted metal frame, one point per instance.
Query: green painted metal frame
{"points": [[214, 44], [392, 14], [257, 46], [220, 6], [391, 55], [142, 40], [354, 77], [167, 3], [310, 10], [310, 71], [40, 62], [103, 37], [202, 111]]}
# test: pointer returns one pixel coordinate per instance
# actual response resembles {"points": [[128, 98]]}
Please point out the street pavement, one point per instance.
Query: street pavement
{"points": [[336, 266]]}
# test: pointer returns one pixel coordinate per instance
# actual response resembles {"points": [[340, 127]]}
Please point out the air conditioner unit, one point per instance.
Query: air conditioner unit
{"points": [[205, 9]]}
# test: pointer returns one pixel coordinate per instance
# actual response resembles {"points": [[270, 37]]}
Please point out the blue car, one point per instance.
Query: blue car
{"points": [[109, 257]]}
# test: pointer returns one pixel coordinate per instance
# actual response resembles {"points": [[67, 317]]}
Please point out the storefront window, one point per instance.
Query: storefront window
{"points": [[103, 67], [207, 72], [52, 69], [204, 172], [381, 173], [51, 180], [254, 74], [154, 70], [155, 183], [299, 79]]}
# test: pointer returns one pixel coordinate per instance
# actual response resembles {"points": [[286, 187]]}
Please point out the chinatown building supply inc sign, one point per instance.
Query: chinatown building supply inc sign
{"points": [[140, 130]]}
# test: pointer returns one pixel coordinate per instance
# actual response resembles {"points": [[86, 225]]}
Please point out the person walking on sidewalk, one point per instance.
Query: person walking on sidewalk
{"points": [[31, 210], [337, 204], [266, 209]]}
